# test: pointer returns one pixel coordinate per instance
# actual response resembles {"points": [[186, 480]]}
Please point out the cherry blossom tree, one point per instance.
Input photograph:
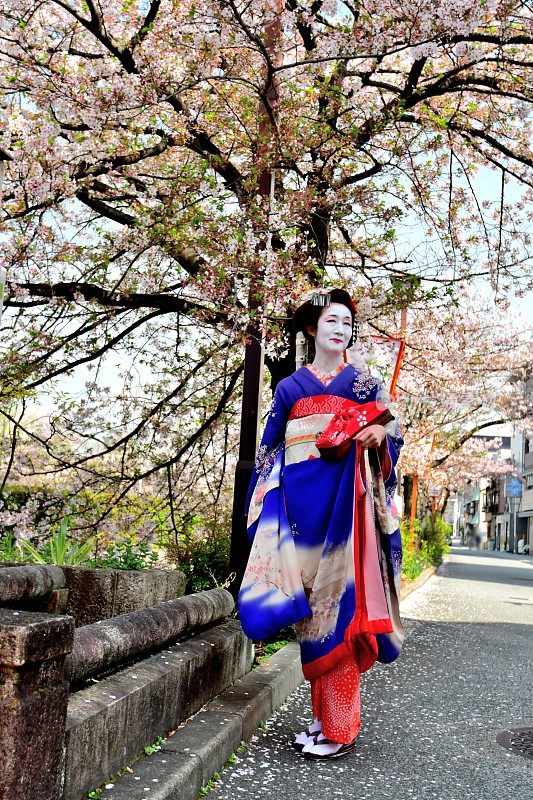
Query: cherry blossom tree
{"points": [[133, 226], [466, 369]]}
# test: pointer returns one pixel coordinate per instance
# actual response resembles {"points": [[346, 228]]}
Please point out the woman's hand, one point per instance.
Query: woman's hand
{"points": [[371, 436]]}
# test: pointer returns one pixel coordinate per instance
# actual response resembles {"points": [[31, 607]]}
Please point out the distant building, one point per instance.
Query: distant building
{"points": [[472, 527], [525, 512], [493, 509]]}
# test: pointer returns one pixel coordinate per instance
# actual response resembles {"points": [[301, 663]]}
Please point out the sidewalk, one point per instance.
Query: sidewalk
{"points": [[430, 720]]}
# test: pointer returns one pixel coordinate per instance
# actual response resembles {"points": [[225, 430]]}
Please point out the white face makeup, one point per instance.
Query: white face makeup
{"points": [[334, 329]]}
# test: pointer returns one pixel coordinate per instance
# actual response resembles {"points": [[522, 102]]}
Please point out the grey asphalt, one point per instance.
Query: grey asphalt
{"points": [[430, 720]]}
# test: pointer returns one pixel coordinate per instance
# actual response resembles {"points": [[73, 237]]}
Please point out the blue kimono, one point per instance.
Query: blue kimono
{"points": [[326, 549]]}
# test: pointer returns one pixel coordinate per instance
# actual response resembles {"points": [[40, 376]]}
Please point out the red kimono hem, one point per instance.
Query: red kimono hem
{"points": [[362, 625], [322, 665]]}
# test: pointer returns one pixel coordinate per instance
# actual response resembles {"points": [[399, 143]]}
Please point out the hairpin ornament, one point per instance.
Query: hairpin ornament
{"points": [[321, 298]]}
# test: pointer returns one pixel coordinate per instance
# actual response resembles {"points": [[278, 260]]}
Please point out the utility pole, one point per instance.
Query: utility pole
{"points": [[253, 357]]}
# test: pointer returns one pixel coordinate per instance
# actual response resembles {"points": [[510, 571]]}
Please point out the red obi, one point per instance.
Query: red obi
{"points": [[349, 418]]}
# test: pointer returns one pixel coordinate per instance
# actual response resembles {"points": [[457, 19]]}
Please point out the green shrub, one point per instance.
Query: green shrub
{"points": [[434, 533], [8, 548], [427, 545], [132, 536], [414, 557], [130, 553], [200, 549], [127, 538], [263, 650], [35, 512], [58, 549]]}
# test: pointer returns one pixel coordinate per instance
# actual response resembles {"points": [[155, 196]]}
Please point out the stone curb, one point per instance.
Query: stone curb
{"points": [[190, 757], [21, 583]]}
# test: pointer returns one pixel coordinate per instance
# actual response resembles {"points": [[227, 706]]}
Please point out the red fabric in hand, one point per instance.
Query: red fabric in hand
{"points": [[336, 440]]}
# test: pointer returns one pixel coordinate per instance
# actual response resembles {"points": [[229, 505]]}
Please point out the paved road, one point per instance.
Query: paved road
{"points": [[430, 720]]}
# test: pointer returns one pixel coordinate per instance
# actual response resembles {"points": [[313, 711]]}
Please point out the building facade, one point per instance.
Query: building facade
{"points": [[497, 511], [525, 512]]}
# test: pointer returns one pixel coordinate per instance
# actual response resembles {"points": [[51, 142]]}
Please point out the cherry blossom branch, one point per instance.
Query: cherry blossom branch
{"points": [[69, 290], [163, 466], [13, 447], [146, 25], [477, 133], [93, 354], [104, 209], [136, 430], [200, 142], [438, 462]]}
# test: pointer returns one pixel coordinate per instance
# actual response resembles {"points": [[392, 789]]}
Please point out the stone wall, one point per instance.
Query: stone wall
{"points": [[85, 593], [33, 703], [33, 587], [178, 654], [95, 594], [102, 646]]}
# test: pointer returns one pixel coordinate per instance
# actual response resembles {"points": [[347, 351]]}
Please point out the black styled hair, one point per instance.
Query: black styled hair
{"points": [[309, 312]]}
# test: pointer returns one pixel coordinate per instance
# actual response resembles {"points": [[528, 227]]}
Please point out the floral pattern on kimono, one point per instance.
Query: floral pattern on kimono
{"points": [[326, 549]]}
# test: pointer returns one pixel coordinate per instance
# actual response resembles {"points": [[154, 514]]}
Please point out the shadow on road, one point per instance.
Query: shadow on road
{"points": [[480, 565]]}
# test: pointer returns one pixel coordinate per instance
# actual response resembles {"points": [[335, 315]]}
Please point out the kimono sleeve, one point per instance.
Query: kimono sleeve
{"points": [[272, 438], [390, 449]]}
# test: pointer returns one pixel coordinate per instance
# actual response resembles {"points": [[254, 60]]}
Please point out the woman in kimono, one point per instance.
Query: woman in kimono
{"points": [[326, 549]]}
